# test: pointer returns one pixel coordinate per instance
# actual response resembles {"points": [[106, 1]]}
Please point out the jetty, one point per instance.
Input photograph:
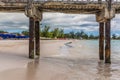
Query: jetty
{"points": [[104, 10]]}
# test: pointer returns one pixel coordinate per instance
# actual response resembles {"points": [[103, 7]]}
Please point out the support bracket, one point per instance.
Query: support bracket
{"points": [[105, 14], [32, 11]]}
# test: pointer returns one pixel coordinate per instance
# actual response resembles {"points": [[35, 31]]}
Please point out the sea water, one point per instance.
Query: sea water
{"points": [[80, 61]]}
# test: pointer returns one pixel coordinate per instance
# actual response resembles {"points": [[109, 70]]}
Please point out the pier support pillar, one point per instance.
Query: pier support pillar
{"points": [[35, 15], [108, 41], [37, 38], [101, 40], [31, 37]]}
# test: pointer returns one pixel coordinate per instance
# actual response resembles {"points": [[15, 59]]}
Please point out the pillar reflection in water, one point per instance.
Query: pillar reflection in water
{"points": [[103, 71], [32, 69]]}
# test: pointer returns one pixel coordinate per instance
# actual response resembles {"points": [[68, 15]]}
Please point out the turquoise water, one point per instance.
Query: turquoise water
{"points": [[93, 45], [80, 61], [88, 56], [115, 47]]}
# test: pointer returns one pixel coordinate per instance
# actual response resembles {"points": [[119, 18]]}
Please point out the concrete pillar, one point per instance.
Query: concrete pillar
{"points": [[101, 41], [108, 41], [37, 38], [31, 37]]}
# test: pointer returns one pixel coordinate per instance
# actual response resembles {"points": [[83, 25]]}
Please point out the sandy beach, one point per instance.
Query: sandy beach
{"points": [[59, 60]]}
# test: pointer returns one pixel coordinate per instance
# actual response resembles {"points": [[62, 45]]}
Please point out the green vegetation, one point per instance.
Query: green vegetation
{"points": [[59, 33], [45, 32], [26, 33], [1, 31], [114, 36]]}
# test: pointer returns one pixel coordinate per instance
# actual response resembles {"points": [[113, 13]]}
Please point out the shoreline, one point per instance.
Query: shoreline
{"points": [[73, 61]]}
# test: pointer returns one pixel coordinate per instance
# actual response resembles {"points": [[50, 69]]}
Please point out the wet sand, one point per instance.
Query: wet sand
{"points": [[58, 61]]}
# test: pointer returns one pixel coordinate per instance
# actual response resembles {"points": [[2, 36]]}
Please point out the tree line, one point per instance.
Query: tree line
{"points": [[58, 33]]}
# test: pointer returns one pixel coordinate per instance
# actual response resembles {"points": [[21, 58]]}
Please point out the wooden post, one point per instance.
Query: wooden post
{"points": [[31, 37], [101, 41], [108, 41], [108, 35], [99, 1], [37, 37]]}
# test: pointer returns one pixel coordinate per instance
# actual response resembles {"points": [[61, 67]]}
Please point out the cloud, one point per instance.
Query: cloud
{"points": [[13, 21], [77, 22], [70, 21]]}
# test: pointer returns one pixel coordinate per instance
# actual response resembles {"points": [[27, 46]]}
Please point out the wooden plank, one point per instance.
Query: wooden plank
{"points": [[108, 41], [101, 41], [31, 37], [37, 37]]}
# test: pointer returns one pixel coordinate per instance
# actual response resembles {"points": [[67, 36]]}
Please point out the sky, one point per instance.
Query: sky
{"points": [[17, 22]]}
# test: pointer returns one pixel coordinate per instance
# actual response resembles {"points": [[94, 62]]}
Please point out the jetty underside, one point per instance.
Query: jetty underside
{"points": [[104, 10]]}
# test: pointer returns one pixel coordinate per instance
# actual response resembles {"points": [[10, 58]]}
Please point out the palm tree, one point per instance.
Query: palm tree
{"points": [[61, 33], [114, 36], [55, 32], [45, 31], [72, 35]]}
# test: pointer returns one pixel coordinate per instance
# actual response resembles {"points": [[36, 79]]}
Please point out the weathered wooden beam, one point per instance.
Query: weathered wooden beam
{"points": [[37, 38], [101, 41], [31, 37], [108, 41]]}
